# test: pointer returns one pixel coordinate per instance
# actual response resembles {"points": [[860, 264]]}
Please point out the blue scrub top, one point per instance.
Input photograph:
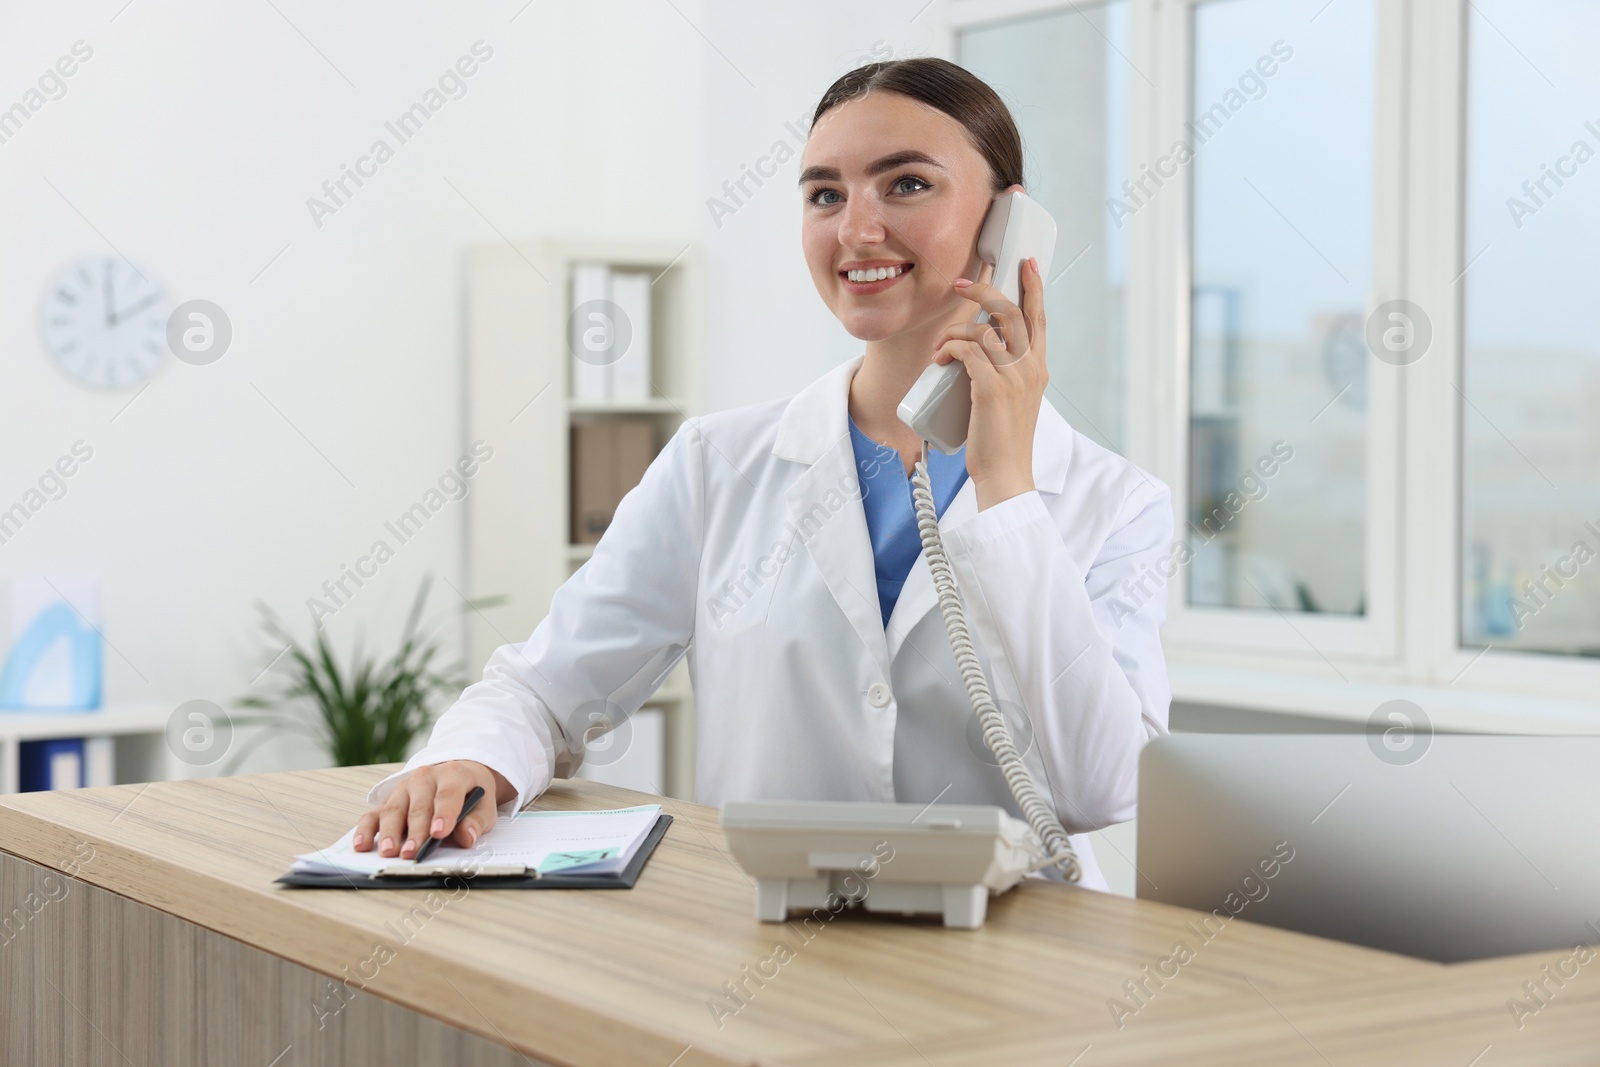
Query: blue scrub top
{"points": [[891, 515]]}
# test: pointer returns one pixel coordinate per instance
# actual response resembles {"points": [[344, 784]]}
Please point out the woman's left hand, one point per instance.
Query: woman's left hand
{"points": [[1008, 375]]}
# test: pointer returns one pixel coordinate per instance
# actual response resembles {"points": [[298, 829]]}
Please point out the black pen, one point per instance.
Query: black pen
{"points": [[433, 842]]}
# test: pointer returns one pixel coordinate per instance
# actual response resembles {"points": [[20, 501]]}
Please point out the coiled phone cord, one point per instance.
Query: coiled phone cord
{"points": [[1052, 835]]}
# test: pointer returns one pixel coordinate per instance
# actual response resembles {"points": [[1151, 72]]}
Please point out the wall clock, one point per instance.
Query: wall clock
{"points": [[105, 323]]}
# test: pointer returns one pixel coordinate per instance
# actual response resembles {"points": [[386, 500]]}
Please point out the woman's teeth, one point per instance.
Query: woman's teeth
{"points": [[875, 275]]}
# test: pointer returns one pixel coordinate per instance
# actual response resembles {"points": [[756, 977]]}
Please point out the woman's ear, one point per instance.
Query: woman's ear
{"points": [[1016, 187]]}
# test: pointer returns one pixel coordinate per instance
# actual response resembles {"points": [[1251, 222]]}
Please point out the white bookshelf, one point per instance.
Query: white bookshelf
{"points": [[518, 512], [137, 730]]}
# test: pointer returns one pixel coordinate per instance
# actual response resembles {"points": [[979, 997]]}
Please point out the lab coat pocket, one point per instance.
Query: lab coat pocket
{"points": [[738, 590]]}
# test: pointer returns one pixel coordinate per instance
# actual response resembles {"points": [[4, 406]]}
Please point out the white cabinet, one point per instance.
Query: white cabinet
{"points": [[137, 732]]}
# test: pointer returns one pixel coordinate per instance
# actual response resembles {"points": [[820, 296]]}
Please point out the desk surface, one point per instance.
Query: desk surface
{"points": [[629, 976]]}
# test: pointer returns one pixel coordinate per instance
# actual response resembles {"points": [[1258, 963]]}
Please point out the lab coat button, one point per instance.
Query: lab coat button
{"points": [[879, 695]]}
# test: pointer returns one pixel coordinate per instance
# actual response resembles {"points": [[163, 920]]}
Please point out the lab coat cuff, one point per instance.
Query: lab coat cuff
{"points": [[513, 774], [995, 522]]}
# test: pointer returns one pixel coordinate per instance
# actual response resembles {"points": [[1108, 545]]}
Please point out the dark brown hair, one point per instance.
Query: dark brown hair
{"points": [[951, 89]]}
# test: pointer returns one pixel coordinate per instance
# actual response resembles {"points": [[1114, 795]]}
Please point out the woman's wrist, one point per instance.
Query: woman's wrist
{"points": [[996, 490]]}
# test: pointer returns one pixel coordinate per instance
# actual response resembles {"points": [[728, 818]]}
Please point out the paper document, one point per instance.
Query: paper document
{"points": [[578, 842]]}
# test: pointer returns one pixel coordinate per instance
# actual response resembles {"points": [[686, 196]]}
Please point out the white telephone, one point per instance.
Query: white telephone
{"points": [[949, 858], [939, 405]]}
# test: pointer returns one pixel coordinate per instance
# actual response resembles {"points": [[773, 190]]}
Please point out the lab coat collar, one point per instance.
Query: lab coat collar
{"points": [[815, 430], [818, 417]]}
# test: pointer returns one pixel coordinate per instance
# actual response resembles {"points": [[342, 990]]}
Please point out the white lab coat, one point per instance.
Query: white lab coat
{"points": [[745, 547]]}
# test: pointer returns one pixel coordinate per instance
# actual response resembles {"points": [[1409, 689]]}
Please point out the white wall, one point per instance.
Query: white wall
{"points": [[190, 142]]}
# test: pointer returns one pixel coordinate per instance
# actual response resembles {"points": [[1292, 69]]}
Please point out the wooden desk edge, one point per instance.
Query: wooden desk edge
{"points": [[34, 837], [323, 944]]}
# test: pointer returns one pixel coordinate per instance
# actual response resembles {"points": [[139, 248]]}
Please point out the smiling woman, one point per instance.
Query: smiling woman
{"points": [[888, 234], [744, 549]]}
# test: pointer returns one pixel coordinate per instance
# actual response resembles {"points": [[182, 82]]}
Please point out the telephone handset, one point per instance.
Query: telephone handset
{"points": [[939, 406]]}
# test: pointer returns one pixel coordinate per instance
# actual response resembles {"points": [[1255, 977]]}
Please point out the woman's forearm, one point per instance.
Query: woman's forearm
{"points": [[1074, 649]]}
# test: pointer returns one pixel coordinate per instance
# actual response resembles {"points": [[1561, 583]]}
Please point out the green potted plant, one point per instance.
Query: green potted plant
{"points": [[370, 710]]}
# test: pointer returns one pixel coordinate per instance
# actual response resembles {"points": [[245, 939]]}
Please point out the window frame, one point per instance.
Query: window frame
{"points": [[1319, 643], [1434, 444]]}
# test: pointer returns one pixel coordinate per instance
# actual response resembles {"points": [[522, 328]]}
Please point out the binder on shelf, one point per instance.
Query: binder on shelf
{"points": [[593, 332], [609, 457], [51, 763], [99, 762], [630, 374]]}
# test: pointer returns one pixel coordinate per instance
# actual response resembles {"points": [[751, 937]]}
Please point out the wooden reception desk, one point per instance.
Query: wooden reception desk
{"points": [[140, 925]]}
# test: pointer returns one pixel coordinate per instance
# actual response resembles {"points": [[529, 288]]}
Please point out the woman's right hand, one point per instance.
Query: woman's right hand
{"points": [[426, 802]]}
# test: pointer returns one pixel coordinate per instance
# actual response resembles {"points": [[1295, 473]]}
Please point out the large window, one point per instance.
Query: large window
{"points": [[1281, 131], [1351, 246], [1065, 77], [1530, 404]]}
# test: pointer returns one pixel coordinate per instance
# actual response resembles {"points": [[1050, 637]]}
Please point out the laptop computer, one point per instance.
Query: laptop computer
{"points": [[1465, 847]]}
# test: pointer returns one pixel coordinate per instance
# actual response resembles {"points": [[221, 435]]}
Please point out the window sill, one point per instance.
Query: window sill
{"points": [[1448, 709]]}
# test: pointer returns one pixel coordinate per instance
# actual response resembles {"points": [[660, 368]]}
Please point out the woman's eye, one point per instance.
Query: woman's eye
{"points": [[898, 186]]}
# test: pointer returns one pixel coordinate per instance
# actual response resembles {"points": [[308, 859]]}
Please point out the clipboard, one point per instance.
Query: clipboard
{"points": [[485, 879]]}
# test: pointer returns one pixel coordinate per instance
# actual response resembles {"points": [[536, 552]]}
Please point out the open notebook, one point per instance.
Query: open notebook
{"points": [[554, 845]]}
